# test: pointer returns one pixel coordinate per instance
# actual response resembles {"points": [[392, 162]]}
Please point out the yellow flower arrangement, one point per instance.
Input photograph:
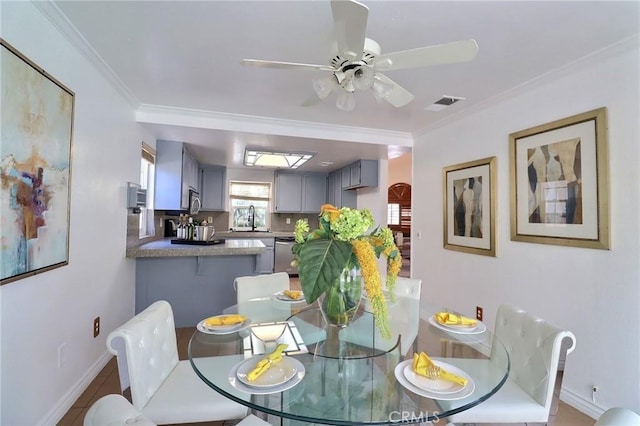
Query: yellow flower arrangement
{"points": [[341, 243]]}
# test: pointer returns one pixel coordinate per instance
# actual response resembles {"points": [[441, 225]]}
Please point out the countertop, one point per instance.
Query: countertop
{"points": [[231, 247], [257, 234]]}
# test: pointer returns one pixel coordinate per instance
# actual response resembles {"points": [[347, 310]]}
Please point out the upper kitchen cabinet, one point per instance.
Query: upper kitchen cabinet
{"points": [[300, 192], [362, 173], [212, 189], [336, 195], [177, 172]]}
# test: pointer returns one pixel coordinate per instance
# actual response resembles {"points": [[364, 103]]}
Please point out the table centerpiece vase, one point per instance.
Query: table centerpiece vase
{"points": [[339, 303], [337, 260]]}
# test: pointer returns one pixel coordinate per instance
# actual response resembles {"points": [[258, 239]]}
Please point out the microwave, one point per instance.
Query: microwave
{"points": [[194, 202]]}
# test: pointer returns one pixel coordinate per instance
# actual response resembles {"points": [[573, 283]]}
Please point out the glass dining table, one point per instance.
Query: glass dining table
{"points": [[351, 375]]}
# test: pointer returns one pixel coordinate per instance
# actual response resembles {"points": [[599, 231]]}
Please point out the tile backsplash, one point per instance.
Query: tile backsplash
{"points": [[220, 222]]}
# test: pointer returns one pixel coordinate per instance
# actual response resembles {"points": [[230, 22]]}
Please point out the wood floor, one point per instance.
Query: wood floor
{"points": [[107, 382]]}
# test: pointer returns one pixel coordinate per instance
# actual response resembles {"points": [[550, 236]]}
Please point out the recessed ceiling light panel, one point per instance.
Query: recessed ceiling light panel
{"points": [[275, 159]]}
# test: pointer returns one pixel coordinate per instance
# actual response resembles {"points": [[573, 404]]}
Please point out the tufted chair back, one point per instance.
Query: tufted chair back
{"points": [[534, 348], [409, 287], [251, 287], [146, 350]]}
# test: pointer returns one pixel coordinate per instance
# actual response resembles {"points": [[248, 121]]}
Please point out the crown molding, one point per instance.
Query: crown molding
{"points": [[158, 114], [629, 44], [51, 11]]}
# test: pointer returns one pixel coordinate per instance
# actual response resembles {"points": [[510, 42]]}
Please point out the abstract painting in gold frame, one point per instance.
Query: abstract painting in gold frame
{"points": [[559, 182], [35, 150], [469, 207]]}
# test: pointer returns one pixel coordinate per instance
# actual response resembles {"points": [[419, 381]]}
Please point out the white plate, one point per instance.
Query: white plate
{"points": [[222, 329], [278, 374], [399, 373], [284, 298], [438, 386], [478, 329], [297, 378]]}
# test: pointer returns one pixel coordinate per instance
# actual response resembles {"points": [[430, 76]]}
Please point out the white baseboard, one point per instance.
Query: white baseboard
{"points": [[66, 402], [580, 403]]}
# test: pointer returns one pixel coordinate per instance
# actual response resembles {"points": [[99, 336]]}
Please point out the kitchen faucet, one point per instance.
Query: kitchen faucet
{"points": [[252, 217]]}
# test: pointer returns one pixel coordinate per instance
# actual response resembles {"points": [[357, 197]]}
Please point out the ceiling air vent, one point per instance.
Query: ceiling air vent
{"points": [[444, 102]]}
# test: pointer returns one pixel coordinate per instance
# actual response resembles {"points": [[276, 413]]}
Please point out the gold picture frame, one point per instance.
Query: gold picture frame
{"points": [[559, 175], [469, 207]]}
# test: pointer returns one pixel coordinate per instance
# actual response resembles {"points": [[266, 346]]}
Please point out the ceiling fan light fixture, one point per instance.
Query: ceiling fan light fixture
{"points": [[324, 86], [380, 89], [346, 101], [363, 78]]}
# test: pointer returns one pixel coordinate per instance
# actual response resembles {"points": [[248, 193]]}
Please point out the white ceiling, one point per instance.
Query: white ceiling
{"points": [[186, 55]]}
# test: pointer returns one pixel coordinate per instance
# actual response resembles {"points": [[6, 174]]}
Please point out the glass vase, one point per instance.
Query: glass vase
{"points": [[340, 302]]}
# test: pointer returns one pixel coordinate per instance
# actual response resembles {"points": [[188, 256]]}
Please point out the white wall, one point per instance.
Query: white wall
{"points": [[593, 293], [54, 311], [400, 169]]}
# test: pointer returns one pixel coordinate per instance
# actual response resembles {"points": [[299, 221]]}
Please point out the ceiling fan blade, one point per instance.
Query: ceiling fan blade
{"points": [[350, 26], [258, 63], [448, 53], [397, 96]]}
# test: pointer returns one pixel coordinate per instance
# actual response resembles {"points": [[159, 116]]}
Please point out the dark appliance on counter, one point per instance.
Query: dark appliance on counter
{"points": [[170, 227], [284, 256]]}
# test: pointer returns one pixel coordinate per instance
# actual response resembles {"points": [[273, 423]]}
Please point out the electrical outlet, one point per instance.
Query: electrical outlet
{"points": [[479, 313], [96, 327], [210, 220], [288, 221]]}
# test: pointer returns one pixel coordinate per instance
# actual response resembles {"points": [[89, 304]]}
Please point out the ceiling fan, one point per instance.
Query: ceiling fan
{"points": [[356, 61]]}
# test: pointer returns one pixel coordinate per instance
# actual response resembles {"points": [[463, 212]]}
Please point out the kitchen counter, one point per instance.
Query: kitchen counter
{"points": [[231, 247], [257, 234]]}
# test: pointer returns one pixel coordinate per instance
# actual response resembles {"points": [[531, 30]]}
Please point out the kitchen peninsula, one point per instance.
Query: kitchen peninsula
{"points": [[197, 280]]}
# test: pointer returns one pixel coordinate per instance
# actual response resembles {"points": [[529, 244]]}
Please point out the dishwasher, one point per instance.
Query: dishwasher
{"points": [[284, 256]]}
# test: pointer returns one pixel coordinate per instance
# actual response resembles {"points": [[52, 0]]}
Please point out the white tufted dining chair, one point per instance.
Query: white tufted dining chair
{"points": [[163, 388], [251, 287], [113, 410], [116, 410], [534, 347], [618, 416], [404, 318]]}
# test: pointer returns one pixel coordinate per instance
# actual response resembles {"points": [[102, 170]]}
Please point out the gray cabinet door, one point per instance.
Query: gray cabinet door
{"points": [[363, 173], [314, 192], [340, 197], [266, 260], [288, 192], [212, 189], [168, 185]]}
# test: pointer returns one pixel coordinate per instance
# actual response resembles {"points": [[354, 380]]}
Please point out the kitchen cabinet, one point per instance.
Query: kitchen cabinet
{"points": [[361, 174], [177, 172], [266, 260], [300, 192], [212, 188], [336, 195]]}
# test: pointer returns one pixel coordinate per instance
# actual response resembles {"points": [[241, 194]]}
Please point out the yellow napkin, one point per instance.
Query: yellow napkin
{"points": [[232, 319], [293, 294], [265, 363], [446, 318], [422, 362]]}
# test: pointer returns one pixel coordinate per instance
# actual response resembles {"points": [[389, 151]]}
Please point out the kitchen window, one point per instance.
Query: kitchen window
{"points": [[243, 195], [146, 225]]}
